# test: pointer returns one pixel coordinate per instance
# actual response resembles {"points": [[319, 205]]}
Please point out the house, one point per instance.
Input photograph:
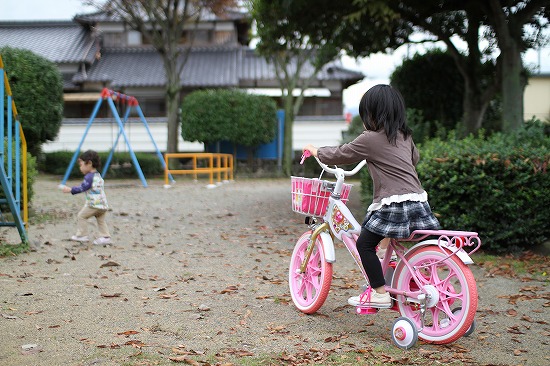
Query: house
{"points": [[536, 98], [99, 50]]}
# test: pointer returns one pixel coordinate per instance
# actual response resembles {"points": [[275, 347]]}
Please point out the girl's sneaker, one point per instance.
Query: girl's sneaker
{"points": [[105, 240], [82, 239], [371, 298]]}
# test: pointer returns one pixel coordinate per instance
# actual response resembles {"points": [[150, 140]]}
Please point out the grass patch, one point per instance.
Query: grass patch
{"points": [[9, 250]]}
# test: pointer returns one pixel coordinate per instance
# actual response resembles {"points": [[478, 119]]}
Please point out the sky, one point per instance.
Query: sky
{"points": [[377, 68]]}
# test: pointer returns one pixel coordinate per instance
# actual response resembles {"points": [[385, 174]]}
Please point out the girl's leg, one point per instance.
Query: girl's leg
{"points": [[82, 220], [101, 225], [366, 246]]}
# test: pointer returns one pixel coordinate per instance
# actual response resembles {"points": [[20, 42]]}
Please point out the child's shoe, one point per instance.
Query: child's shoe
{"points": [[82, 239], [371, 298], [105, 240]]}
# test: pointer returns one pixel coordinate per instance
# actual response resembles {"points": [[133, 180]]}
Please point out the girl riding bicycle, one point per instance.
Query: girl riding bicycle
{"points": [[400, 204]]}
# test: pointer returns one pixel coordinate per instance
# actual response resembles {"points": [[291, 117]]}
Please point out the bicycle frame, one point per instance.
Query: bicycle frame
{"points": [[338, 222]]}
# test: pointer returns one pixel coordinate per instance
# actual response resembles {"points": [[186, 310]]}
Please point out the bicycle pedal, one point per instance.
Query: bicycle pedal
{"points": [[366, 310]]}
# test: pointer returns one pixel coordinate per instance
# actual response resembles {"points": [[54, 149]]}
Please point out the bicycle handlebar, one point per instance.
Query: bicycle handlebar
{"points": [[336, 171]]}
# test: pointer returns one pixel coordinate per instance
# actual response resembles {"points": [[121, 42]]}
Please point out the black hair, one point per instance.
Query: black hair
{"points": [[91, 155], [383, 107]]}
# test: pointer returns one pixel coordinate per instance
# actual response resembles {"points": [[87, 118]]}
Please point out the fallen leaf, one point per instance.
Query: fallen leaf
{"points": [[109, 264], [229, 289], [128, 332], [512, 312]]}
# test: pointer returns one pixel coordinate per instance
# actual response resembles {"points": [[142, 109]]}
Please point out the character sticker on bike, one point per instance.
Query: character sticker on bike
{"points": [[339, 221]]}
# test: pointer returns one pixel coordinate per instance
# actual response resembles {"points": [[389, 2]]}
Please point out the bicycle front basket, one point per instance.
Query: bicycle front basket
{"points": [[310, 198]]}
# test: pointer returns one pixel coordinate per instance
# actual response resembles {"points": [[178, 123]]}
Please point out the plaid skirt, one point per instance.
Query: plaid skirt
{"points": [[399, 219]]}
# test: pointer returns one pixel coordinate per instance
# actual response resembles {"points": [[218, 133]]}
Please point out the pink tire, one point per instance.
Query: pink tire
{"points": [[309, 290], [453, 314]]}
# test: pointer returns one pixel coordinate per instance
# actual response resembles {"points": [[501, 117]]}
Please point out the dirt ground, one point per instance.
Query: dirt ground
{"points": [[201, 274]]}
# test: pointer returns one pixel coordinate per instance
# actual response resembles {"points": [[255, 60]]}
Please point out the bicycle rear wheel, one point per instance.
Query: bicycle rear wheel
{"points": [[309, 290], [448, 279]]}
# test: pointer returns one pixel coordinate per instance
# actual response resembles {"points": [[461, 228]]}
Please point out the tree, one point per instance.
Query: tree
{"points": [[37, 89], [291, 38], [378, 25], [441, 97], [163, 24], [515, 25]]}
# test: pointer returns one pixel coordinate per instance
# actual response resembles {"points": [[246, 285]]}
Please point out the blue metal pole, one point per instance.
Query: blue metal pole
{"points": [[134, 159], [159, 155], [75, 155]]}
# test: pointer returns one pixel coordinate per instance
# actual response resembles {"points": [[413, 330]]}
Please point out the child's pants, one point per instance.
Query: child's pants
{"points": [[82, 222]]}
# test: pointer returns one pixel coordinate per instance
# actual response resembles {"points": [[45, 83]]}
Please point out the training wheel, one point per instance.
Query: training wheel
{"points": [[472, 327], [404, 333]]}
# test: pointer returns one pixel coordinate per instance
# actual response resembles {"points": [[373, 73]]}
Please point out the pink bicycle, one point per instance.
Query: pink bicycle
{"points": [[430, 283]]}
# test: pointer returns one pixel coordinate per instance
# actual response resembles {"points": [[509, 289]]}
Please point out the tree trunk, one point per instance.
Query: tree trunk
{"points": [[473, 110], [288, 152], [173, 91], [512, 87], [172, 106]]}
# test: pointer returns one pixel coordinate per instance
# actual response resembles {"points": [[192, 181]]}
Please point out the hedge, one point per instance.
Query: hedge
{"points": [[497, 186], [121, 166]]}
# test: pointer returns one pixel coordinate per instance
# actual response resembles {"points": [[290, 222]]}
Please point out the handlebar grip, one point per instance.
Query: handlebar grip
{"points": [[305, 155]]}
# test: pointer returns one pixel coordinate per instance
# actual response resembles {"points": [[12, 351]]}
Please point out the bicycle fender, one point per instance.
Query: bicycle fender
{"points": [[461, 253], [328, 246]]}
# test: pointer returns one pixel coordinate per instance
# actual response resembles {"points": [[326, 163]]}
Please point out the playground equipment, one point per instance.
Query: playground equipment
{"points": [[215, 163], [132, 104], [13, 174]]}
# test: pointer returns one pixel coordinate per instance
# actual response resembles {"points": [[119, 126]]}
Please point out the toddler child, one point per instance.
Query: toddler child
{"points": [[96, 201]]}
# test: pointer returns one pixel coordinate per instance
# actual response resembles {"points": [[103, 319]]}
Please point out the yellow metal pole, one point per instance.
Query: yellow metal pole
{"points": [[25, 186], [166, 169], [211, 165]]}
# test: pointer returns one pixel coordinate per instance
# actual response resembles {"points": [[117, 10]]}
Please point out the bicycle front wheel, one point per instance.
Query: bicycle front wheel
{"points": [[451, 286], [309, 290]]}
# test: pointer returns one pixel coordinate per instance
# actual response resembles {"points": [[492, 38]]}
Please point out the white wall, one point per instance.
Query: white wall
{"points": [[319, 131], [101, 137], [536, 98]]}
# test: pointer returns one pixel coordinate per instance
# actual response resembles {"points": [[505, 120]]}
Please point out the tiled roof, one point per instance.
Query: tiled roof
{"points": [[205, 67], [60, 42], [106, 17], [254, 67], [143, 67]]}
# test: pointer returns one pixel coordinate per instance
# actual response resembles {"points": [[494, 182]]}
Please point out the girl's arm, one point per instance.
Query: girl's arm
{"points": [[85, 185]]}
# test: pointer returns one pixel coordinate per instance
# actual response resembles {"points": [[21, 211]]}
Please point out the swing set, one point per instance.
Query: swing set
{"points": [[131, 103]]}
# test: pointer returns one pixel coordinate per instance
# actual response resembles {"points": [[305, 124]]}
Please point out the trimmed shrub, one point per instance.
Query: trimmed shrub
{"points": [[37, 87], [121, 166], [498, 186], [210, 116]]}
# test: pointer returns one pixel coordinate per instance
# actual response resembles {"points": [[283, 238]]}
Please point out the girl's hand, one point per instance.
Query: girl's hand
{"points": [[66, 189], [312, 149]]}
